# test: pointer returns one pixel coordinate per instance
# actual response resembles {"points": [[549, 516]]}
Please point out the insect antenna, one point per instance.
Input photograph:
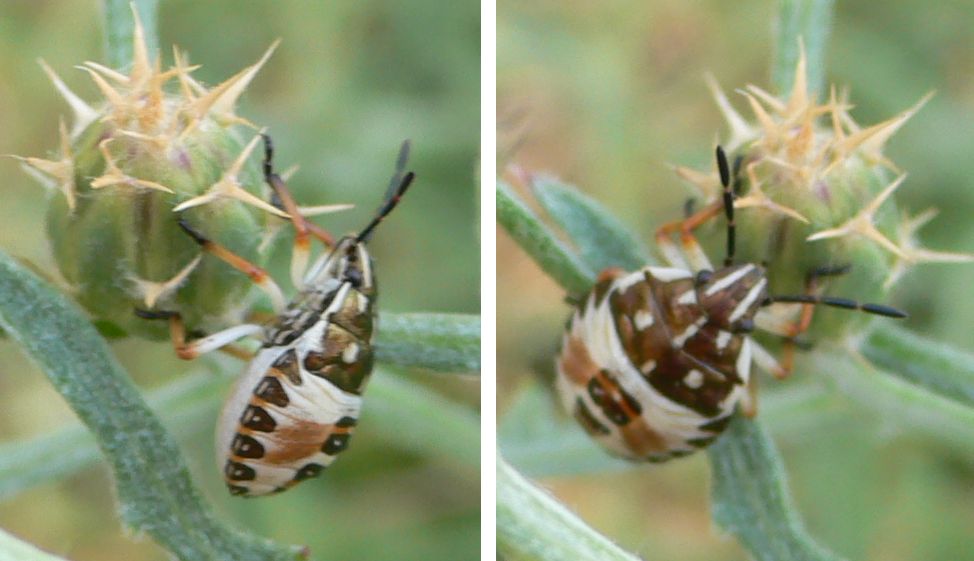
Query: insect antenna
{"points": [[725, 181], [400, 181], [844, 303]]}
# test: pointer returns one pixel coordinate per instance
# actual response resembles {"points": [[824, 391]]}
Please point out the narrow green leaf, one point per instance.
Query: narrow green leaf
{"points": [[751, 498], [450, 342], [602, 240], [902, 404], [183, 405], [533, 526], [442, 342], [416, 418], [811, 22], [120, 28], [936, 366], [13, 549], [556, 259], [155, 491]]}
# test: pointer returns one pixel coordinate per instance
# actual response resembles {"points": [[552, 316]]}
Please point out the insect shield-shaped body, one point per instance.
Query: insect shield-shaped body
{"points": [[298, 403], [654, 362]]}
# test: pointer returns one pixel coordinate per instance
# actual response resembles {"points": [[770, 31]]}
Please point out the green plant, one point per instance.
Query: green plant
{"points": [[906, 380], [157, 495]]}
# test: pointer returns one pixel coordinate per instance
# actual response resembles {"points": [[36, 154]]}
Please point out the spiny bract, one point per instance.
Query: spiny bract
{"points": [[816, 190], [160, 145]]}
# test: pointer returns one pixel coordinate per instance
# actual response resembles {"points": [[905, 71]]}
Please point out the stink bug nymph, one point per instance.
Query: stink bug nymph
{"points": [[654, 362], [296, 406]]}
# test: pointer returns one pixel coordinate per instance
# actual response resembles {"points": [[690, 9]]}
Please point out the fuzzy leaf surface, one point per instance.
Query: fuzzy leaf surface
{"points": [[533, 526], [549, 252], [936, 366], [601, 239], [807, 22], [899, 402], [440, 342], [155, 492], [120, 27], [751, 499], [183, 405]]}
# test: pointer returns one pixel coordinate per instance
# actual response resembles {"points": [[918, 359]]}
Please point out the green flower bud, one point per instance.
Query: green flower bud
{"points": [[814, 190], [159, 147]]}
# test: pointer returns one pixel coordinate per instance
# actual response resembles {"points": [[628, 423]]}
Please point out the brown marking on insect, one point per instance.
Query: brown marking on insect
{"points": [[246, 446], [352, 318], [236, 471], [287, 365], [576, 362], [625, 411], [270, 389], [296, 440], [588, 421], [337, 442], [655, 344], [330, 363], [611, 393], [257, 418], [641, 439]]}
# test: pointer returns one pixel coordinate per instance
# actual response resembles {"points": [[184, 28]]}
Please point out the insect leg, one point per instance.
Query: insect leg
{"points": [[692, 256], [188, 350], [257, 274], [795, 329], [302, 228], [767, 362]]}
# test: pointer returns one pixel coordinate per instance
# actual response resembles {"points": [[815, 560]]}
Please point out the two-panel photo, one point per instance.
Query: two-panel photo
{"points": [[486, 280]]}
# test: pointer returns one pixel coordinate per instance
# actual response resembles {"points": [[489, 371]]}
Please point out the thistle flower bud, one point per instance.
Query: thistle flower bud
{"points": [[814, 189], [159, 146]]}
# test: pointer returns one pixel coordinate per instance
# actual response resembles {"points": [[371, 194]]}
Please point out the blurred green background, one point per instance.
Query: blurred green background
{"points": [[350, 81], [605, 95]]}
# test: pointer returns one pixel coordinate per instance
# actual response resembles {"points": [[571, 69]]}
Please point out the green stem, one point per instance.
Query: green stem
{"points": [[811, 22], [186, 405], [940, 368], [902, 404], [563, 265], [751, 498], [601, 239], [120, 28], [154, 488], [441, 342], [533, 526]]}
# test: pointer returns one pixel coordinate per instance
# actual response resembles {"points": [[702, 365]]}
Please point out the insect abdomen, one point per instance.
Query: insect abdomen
{"points": [[304, 400]]}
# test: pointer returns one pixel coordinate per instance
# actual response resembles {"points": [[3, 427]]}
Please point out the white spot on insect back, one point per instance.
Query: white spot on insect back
{"points": [[648, 367], [729, 280], [748, 301], [690, 331], [687, 298], [723, 338], [643, 319], [350, 354], [667, 274], [693, 379]]}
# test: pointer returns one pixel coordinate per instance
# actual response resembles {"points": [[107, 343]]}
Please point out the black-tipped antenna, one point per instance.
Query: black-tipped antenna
{"points": [[397, 188], [725, 181], [843, 303]]}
